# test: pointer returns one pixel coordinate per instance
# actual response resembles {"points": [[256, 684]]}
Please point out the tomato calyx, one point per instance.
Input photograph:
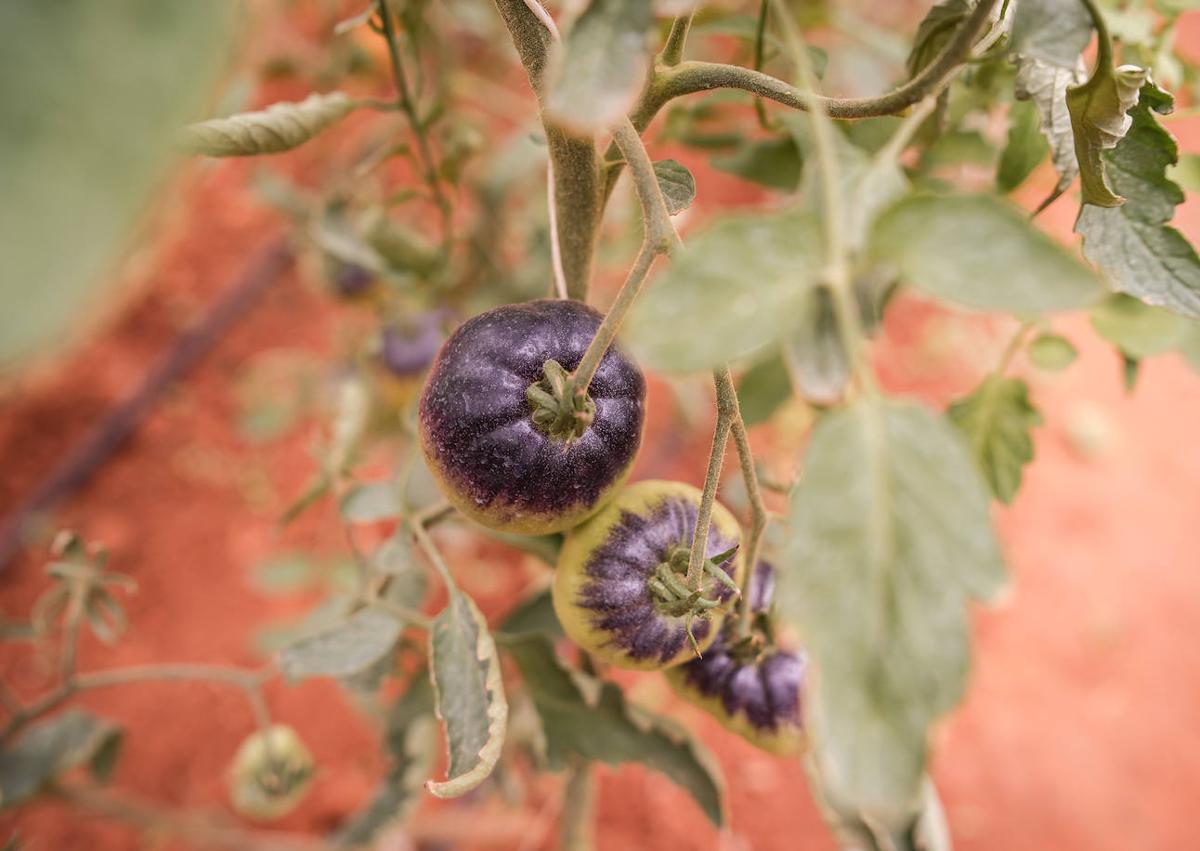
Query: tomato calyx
{"points": [[560, 410], [674, 598]]}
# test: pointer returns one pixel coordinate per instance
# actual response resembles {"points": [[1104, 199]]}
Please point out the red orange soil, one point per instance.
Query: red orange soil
{"points": [[1078, 732]]}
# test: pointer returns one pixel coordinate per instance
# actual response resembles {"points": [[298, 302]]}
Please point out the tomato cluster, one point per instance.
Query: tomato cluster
{"points": [[516, 447]]}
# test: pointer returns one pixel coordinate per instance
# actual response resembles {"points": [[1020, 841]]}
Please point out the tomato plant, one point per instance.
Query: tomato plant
{"points": [[473, 251]]}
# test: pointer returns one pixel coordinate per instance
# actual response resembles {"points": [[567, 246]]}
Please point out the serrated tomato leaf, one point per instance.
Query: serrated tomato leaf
{"points": [[343, 649], [996, 418]]}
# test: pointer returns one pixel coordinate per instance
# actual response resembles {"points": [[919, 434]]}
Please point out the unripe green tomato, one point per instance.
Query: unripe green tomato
{"points": [[271, 773], [605, 585]]}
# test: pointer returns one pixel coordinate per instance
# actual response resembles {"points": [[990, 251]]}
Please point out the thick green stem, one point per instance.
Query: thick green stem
{"points": [[672, 52], [573, 158]]}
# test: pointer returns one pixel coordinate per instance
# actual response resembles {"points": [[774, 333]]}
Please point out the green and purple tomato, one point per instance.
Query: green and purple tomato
{"points": [[494, 461], [608, 585]]}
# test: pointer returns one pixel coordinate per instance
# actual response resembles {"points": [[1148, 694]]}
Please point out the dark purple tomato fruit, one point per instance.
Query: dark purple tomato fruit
{"points": [[406, 348], [352, 281], [749, 683], [618, 586], [497, 455]]}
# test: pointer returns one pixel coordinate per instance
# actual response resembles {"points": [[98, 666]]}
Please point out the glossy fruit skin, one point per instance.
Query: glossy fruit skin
{"points": [[758, 693], [478, 436], [600, 589], [406, 350]]}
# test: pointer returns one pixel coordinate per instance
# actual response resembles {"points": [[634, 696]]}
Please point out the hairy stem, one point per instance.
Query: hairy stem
{"points": [[660, 239], [712, 479], [758, 508], [572, 158], [672, 52], [405, 101]]}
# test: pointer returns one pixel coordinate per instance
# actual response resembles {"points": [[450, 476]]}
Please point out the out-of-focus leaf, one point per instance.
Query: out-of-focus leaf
{"points": [[369, 503], [1098, 117], [280, 127], [677, 185], [1052, 31], [1051, 352], [939, 24], [820, 367], [1138, 329], [1045, 85], [403, 249], [92, 93], [53, 747], [1133, 244], [732, 290], [997, 418], [535, 614], [344, 649], [470, 696], [1024, 149], [284, 573], [981, 252], [774, 162], [889, 537], [597, 72], [763, 388], [607, 729]]}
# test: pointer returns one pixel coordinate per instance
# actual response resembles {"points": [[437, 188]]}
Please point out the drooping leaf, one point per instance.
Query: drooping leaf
{"points": [[773, 162], [1098, 118], [1052, 31], [535, 614], [343, 649], [1051, 352], [1046, 85], [935, 30], [410, 740], [93, 94], [1133, 244], [997, 418], [732, 290], [469, 695], [601, 65], [601, 726], [979, 251], [762, 389], [1024, 149], [889, 537], [1138, 329], [279, 127], [51, 748], [820, 366], [371, 502], [677, 185]]}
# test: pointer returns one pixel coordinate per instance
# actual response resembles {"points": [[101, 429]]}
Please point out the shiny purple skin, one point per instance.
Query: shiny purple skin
{"points": [[762, 587], [619, 569], [764, 691], [477, 426], [408, 351]]}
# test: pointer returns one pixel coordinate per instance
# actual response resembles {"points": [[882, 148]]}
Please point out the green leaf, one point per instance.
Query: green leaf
{"points": [[93, 94], [732, 290], [1052, 31], [996, 419], [534, 614], [677, 185], [1098, 118], [774, 162], [279, 127], [1133, 244], [410, 738], [1137, 329], [596, 74], [1052, 352], [284, 573], [820, 368], [370, 503], [889, 537], [763, 388], [403, 248], [344, 649], [936, 28], [1046, 85], [601, 726], [53, 747], [981, 252], [470, 696], [1025, 147]]}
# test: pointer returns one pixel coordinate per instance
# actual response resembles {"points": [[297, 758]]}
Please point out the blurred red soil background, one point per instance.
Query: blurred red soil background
{"points": [[1079, 730]]}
